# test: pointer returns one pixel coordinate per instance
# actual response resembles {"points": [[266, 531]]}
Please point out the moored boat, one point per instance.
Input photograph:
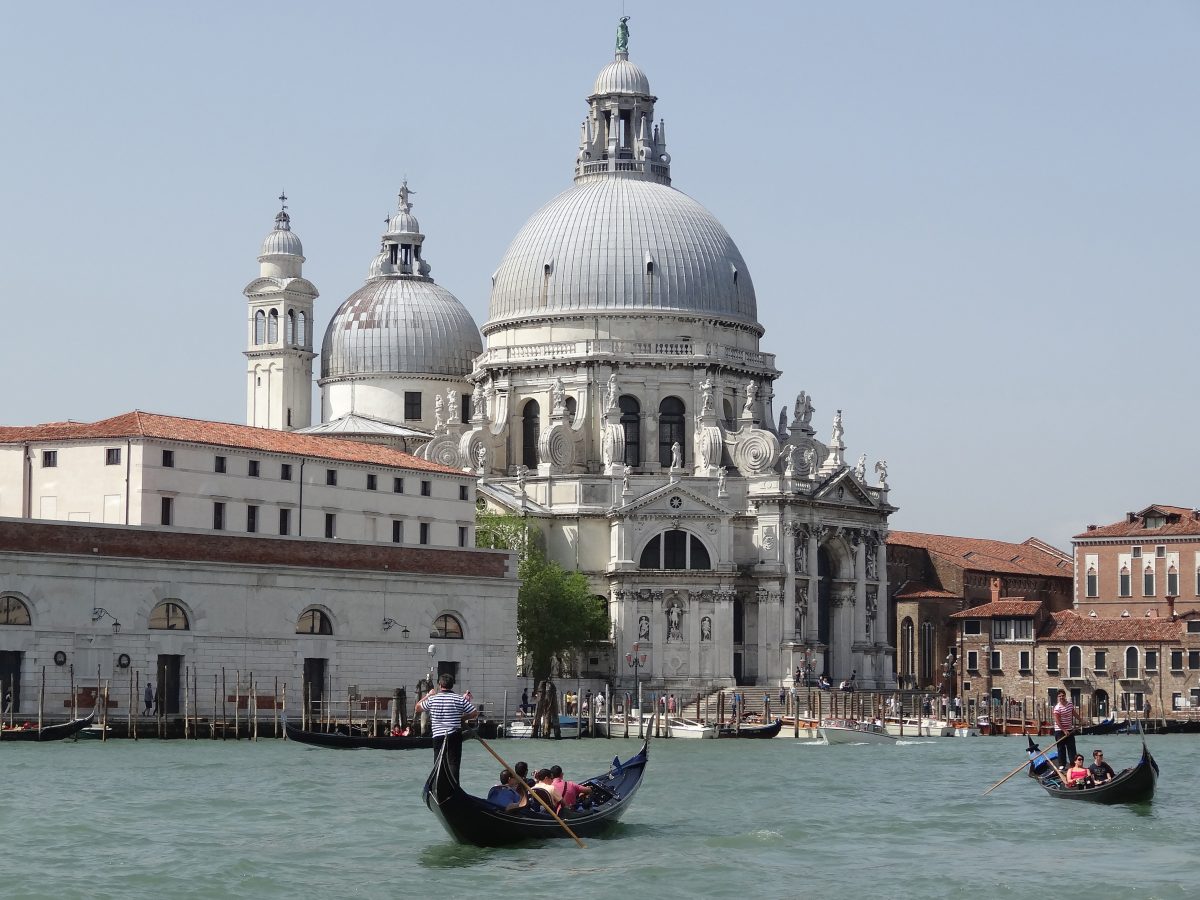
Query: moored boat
{"points": [[568, 727], [47, 732], [850, 731], [1133, 785], [474, 820], [340, 741], [751, 731], [919, 727], [688, 728]]}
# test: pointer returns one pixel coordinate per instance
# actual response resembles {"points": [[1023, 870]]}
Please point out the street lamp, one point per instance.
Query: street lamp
{"points": [[635, 659], [99, 612]]}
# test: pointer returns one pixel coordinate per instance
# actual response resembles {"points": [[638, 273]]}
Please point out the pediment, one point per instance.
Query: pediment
{"points": [[844, 488], [673, 501], [269, 284]]}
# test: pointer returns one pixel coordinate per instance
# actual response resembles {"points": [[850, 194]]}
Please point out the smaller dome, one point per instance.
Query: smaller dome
{"points": [[622, 77], [282, 240], [404, 223], [381, 264]]}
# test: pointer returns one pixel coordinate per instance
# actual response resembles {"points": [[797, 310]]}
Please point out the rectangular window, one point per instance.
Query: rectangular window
{"points": [[372, 481], [168, 459], [1148, 584], [463, 492], [49, 459], [462, 535], [331, 477], [397, 531], [252, 468], [168, 511], [426, 489], [1101, 662], [219, 465], [1177, 700], [1024, 660], [1193, 660], [285, 521], [1093, 584], [1135, 552], [1176, 660], [1012, 629], [1151, 660], [424, 532], [1052, 661], [1160, 551], [412, 405], [285, 472], [972, 660], [1193, 626], [218, 516], [330, 525], [251, 519], [112, 456], [971, 626], [996, 661]]}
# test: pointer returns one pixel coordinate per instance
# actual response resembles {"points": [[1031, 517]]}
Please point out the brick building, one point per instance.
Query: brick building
{"points": [[932, 576]]}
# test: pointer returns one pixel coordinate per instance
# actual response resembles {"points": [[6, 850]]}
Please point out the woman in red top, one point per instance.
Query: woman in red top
{"points": [[1077, 775]]}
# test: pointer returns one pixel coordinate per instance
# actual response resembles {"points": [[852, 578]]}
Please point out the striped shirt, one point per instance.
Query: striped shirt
{"points": [[1064, 716], [446, 710]]}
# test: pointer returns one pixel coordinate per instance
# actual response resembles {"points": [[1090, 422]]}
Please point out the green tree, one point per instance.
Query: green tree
{"points": [[557, 614]]}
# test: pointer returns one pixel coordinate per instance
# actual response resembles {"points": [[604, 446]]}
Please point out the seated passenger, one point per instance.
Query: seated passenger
{"points": [[504, 794], [544, 787], [522, 770], [1099, 769], [1077, 775], [570, 792]]}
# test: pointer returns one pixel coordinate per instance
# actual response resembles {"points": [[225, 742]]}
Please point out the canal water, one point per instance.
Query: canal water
{"points": [[737, 819]]}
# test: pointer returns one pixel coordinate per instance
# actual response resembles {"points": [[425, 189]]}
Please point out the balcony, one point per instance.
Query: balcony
{"points": [[697, 352]]}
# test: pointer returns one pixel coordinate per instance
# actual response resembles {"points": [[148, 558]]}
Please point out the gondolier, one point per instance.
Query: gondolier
{"points": [[447, 711], [1064, 727]]}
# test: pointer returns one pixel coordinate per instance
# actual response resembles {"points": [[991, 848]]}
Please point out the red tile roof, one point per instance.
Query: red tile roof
{"points": [[1000, 608], [221, 434], [1181, 520], [919, 590], [1032, 557], [1070, 626]]}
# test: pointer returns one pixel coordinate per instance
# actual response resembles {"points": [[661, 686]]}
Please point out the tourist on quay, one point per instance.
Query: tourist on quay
{"points": [[824, 683], [671, 704], [149, 698], [525, 700], [447, 710], [1099, 769], [1064, 726]]}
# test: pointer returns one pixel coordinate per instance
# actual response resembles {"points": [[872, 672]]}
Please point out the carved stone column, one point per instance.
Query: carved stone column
{"points": [[814, 596]]}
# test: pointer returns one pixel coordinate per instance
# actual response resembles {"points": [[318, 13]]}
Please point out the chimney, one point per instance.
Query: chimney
{"points": [[995, 588], [1171, 606], [1091, 528]]}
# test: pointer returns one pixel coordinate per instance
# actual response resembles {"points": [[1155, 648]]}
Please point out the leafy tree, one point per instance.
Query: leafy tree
{"points": [[557, 614]]}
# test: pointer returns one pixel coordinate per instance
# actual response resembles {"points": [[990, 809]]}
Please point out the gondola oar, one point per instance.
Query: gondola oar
{"points": [[1020, 767], [521, 781]]}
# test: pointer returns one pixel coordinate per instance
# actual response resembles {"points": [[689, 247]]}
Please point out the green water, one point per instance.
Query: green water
{"points": [[737, 819]]}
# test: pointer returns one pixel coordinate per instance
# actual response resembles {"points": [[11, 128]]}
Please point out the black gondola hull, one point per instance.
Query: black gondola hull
{"points": [[49, 732], [751, 731], [1133, 785], [473, 820], [355, 741]]}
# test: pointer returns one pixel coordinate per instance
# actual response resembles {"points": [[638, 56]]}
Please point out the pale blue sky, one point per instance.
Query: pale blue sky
{"points": [[972, 227]]}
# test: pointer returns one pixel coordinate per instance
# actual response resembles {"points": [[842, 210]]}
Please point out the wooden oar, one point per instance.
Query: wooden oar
{"points": [[1022, 766], [538, 797]]}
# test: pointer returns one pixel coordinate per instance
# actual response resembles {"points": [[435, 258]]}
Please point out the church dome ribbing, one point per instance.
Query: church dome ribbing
{"points": [[282, 240], [621, 77]]}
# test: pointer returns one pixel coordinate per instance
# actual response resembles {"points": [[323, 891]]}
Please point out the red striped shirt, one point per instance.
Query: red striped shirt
{"points": [[1064, 716]]}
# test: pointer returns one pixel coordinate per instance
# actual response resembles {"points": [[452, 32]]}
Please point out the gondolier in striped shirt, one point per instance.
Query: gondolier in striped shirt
{"points": [[447, 712], [1064, 728]]}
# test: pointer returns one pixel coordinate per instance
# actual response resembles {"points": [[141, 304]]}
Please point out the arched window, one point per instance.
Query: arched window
{"points": [[301, 329], [906, 647], [1131, 662], [1074, 662], [530, 432], [675, 549], [1124, 589], [1092, 585], [170, 617], [260, 327], [571, 406], [1172, 582], [314, 621], [631, 422], [927, 650], [446, 626], [1148, 581], [273, 326], [290, 331], [13, 611], [670, 429], [730, 421]]}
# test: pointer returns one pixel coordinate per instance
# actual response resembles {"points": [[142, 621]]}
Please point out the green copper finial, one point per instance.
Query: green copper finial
{"points": [[623, 35]]}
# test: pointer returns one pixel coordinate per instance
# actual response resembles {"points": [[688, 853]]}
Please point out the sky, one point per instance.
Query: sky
{"points": [[971, 227]]}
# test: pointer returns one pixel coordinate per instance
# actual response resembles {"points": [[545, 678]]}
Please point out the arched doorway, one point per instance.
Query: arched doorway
{"points": [[824, 608], [1100, 699]]}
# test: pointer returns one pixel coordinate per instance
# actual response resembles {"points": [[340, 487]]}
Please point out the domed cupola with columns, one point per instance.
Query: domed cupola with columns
{"points": [[399, 347], [623, 401]]}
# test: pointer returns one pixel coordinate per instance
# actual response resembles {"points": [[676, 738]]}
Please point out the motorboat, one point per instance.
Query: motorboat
{"points": [[850, 731], [910, 727], [568, 727]]}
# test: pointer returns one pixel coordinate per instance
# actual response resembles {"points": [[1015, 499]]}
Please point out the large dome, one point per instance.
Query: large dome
{"points": [[400, 325], [617, 244]]}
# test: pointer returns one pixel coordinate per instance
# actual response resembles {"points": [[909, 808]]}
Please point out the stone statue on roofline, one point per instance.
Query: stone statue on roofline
{"points": [[706, 396], [860, 468], [452, 407], [789, 465], [751, 396], [623, 35], [838, 430], [438, 403], [783, 420], [676, 456], [881, 469], [803, 410], [610, 398], [477, 401]]}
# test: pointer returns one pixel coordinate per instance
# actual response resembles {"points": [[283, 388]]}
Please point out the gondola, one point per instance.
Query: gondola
{"points": [[1133, 785], [473, 820], [47, 732], [355, 741], [751, 731]]}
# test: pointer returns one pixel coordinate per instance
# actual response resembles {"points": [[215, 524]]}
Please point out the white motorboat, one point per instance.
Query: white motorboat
{"points": [[849, 731], [523, 728], [689, 728], [909, 727], [672, 726]]}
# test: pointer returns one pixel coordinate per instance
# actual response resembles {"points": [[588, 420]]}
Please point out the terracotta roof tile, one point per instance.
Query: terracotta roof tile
{"points": [[223, 434], [919, 590], [1070, 626], [1000, 608], [1181, 520], [1032, 557]]}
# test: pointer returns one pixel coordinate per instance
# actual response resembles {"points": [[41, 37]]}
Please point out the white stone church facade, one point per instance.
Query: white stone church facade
{"points": [[621, 400]]}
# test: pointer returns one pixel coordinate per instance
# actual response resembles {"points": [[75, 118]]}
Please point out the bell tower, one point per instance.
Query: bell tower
{"points": [[279, 350]]}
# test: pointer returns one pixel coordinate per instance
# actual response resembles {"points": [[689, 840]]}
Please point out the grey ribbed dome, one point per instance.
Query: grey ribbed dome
{"points": [[400, 325], [621, 77], [282, 239], [619, 244]]}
